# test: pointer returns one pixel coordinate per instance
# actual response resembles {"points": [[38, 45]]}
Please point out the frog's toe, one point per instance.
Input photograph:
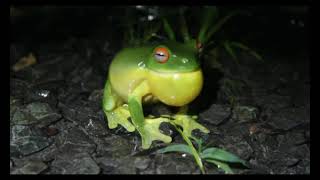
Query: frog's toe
{"points": [[151, 132], [120, 116], [188, 124]]}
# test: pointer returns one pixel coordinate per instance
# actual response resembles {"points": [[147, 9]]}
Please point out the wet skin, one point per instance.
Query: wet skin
{"points": [[169, 73]]}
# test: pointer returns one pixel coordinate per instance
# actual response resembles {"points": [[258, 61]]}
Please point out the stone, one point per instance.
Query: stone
{"points": [[21, 117], [79, 163], [245, 113], [142, 163], [216, 114], [74, 140], [33, 167], [25, 141], [288, 118], [43, 113]]}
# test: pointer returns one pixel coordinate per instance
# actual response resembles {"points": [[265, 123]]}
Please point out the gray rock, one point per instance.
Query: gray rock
{"points": [[80, 163], [33, 167], [108, 164], [34, 113], [96, 95], [74, 140], [11, 164], [174, 164], [24, 141], [288, 118], [21, 117], [142, 163], [244, 113], [216, 114], [43, 113], [238, 147]]}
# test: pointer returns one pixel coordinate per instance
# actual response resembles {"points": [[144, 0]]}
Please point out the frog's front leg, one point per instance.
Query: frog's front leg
{"points": [[115, 110], [147, 128], [187, 122]]}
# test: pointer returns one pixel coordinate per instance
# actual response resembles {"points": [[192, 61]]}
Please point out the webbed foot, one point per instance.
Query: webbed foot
{"points": [[188, 124], [150, 132], [120, 116]]}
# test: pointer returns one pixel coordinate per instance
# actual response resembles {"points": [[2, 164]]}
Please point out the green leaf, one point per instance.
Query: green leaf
{"points": [[229, 49], [168, 29], [183, 148], [219, 24], [220, 155], [246, 48], [210, 14], [192, 148], [221, 165], [184, 27]]}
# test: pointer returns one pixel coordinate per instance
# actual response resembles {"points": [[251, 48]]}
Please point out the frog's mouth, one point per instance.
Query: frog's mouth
{"points": [[176, 89]]}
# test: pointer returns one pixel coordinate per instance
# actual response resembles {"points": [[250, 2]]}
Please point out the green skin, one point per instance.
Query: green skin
{"points": [[135, 77]]}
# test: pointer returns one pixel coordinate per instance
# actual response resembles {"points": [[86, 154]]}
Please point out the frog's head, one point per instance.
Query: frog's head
{"points": [[175, 76], [173, 57]]}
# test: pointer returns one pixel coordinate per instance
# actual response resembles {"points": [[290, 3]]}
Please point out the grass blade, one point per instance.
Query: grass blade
{"points": [[246, 48], [176, 148], [168, 29], [221, 165], [221, 155]]}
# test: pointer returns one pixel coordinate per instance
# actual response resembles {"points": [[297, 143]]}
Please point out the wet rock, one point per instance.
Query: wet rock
{"points": [[28, 145], [20, 117], [33, 167], [18, 88], [118, 146], [74, 140], [94, 126], [96, 95], [272, 102], [11, 164], [35, 113], [14, 105], [288, 118], [238, 146], [107, 164], [79, 163], [142, 163], [216, 114], [43, 113], [245, 113], [24, 141], [174, 164]]}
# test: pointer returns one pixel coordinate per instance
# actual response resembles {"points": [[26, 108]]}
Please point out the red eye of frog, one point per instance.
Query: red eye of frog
{"points": [[161, 55]]}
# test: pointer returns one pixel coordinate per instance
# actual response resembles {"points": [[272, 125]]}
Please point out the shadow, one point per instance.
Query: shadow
{"points": [[210, 89]]}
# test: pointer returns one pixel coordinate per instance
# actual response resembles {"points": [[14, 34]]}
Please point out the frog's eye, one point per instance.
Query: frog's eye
{"points": [[161, 55]]}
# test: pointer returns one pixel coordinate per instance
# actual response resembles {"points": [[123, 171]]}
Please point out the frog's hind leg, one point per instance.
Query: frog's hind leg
{"points": [[115, 110]]}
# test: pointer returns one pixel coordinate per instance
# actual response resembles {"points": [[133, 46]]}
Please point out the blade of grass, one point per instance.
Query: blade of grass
{"points": [[176, 148], [210, 13], [221, 165], [168, 29], [246, 48], [221, 22]]}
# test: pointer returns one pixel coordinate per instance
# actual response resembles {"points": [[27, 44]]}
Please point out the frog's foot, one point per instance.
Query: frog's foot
{"points": [[188, 124], [150, 132], [120, 116]]}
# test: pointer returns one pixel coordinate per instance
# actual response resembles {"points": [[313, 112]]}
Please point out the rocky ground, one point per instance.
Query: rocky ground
{"points": [[57, 125]]}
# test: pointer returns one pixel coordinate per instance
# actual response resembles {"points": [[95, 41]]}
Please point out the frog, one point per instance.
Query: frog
{"points": [[167, 72]]}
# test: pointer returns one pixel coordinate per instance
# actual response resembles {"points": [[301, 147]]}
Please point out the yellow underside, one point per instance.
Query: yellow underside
{"points": [[174, 89]]}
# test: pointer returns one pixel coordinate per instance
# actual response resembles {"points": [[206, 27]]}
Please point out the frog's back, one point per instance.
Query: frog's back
{"points": [[128, 69]]}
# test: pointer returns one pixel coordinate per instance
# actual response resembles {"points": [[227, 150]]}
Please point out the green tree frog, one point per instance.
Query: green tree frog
{"points": [[169, 73]]}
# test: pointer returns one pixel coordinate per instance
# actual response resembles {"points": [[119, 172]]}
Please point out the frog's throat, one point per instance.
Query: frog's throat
{"points": [[175, 89]]}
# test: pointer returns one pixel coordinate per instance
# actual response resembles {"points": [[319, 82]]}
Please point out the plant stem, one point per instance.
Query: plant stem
{"points": [[193, 149]]}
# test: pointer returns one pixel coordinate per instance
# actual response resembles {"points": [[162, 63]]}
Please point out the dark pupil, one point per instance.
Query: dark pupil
{"points": [[160, 54]]}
